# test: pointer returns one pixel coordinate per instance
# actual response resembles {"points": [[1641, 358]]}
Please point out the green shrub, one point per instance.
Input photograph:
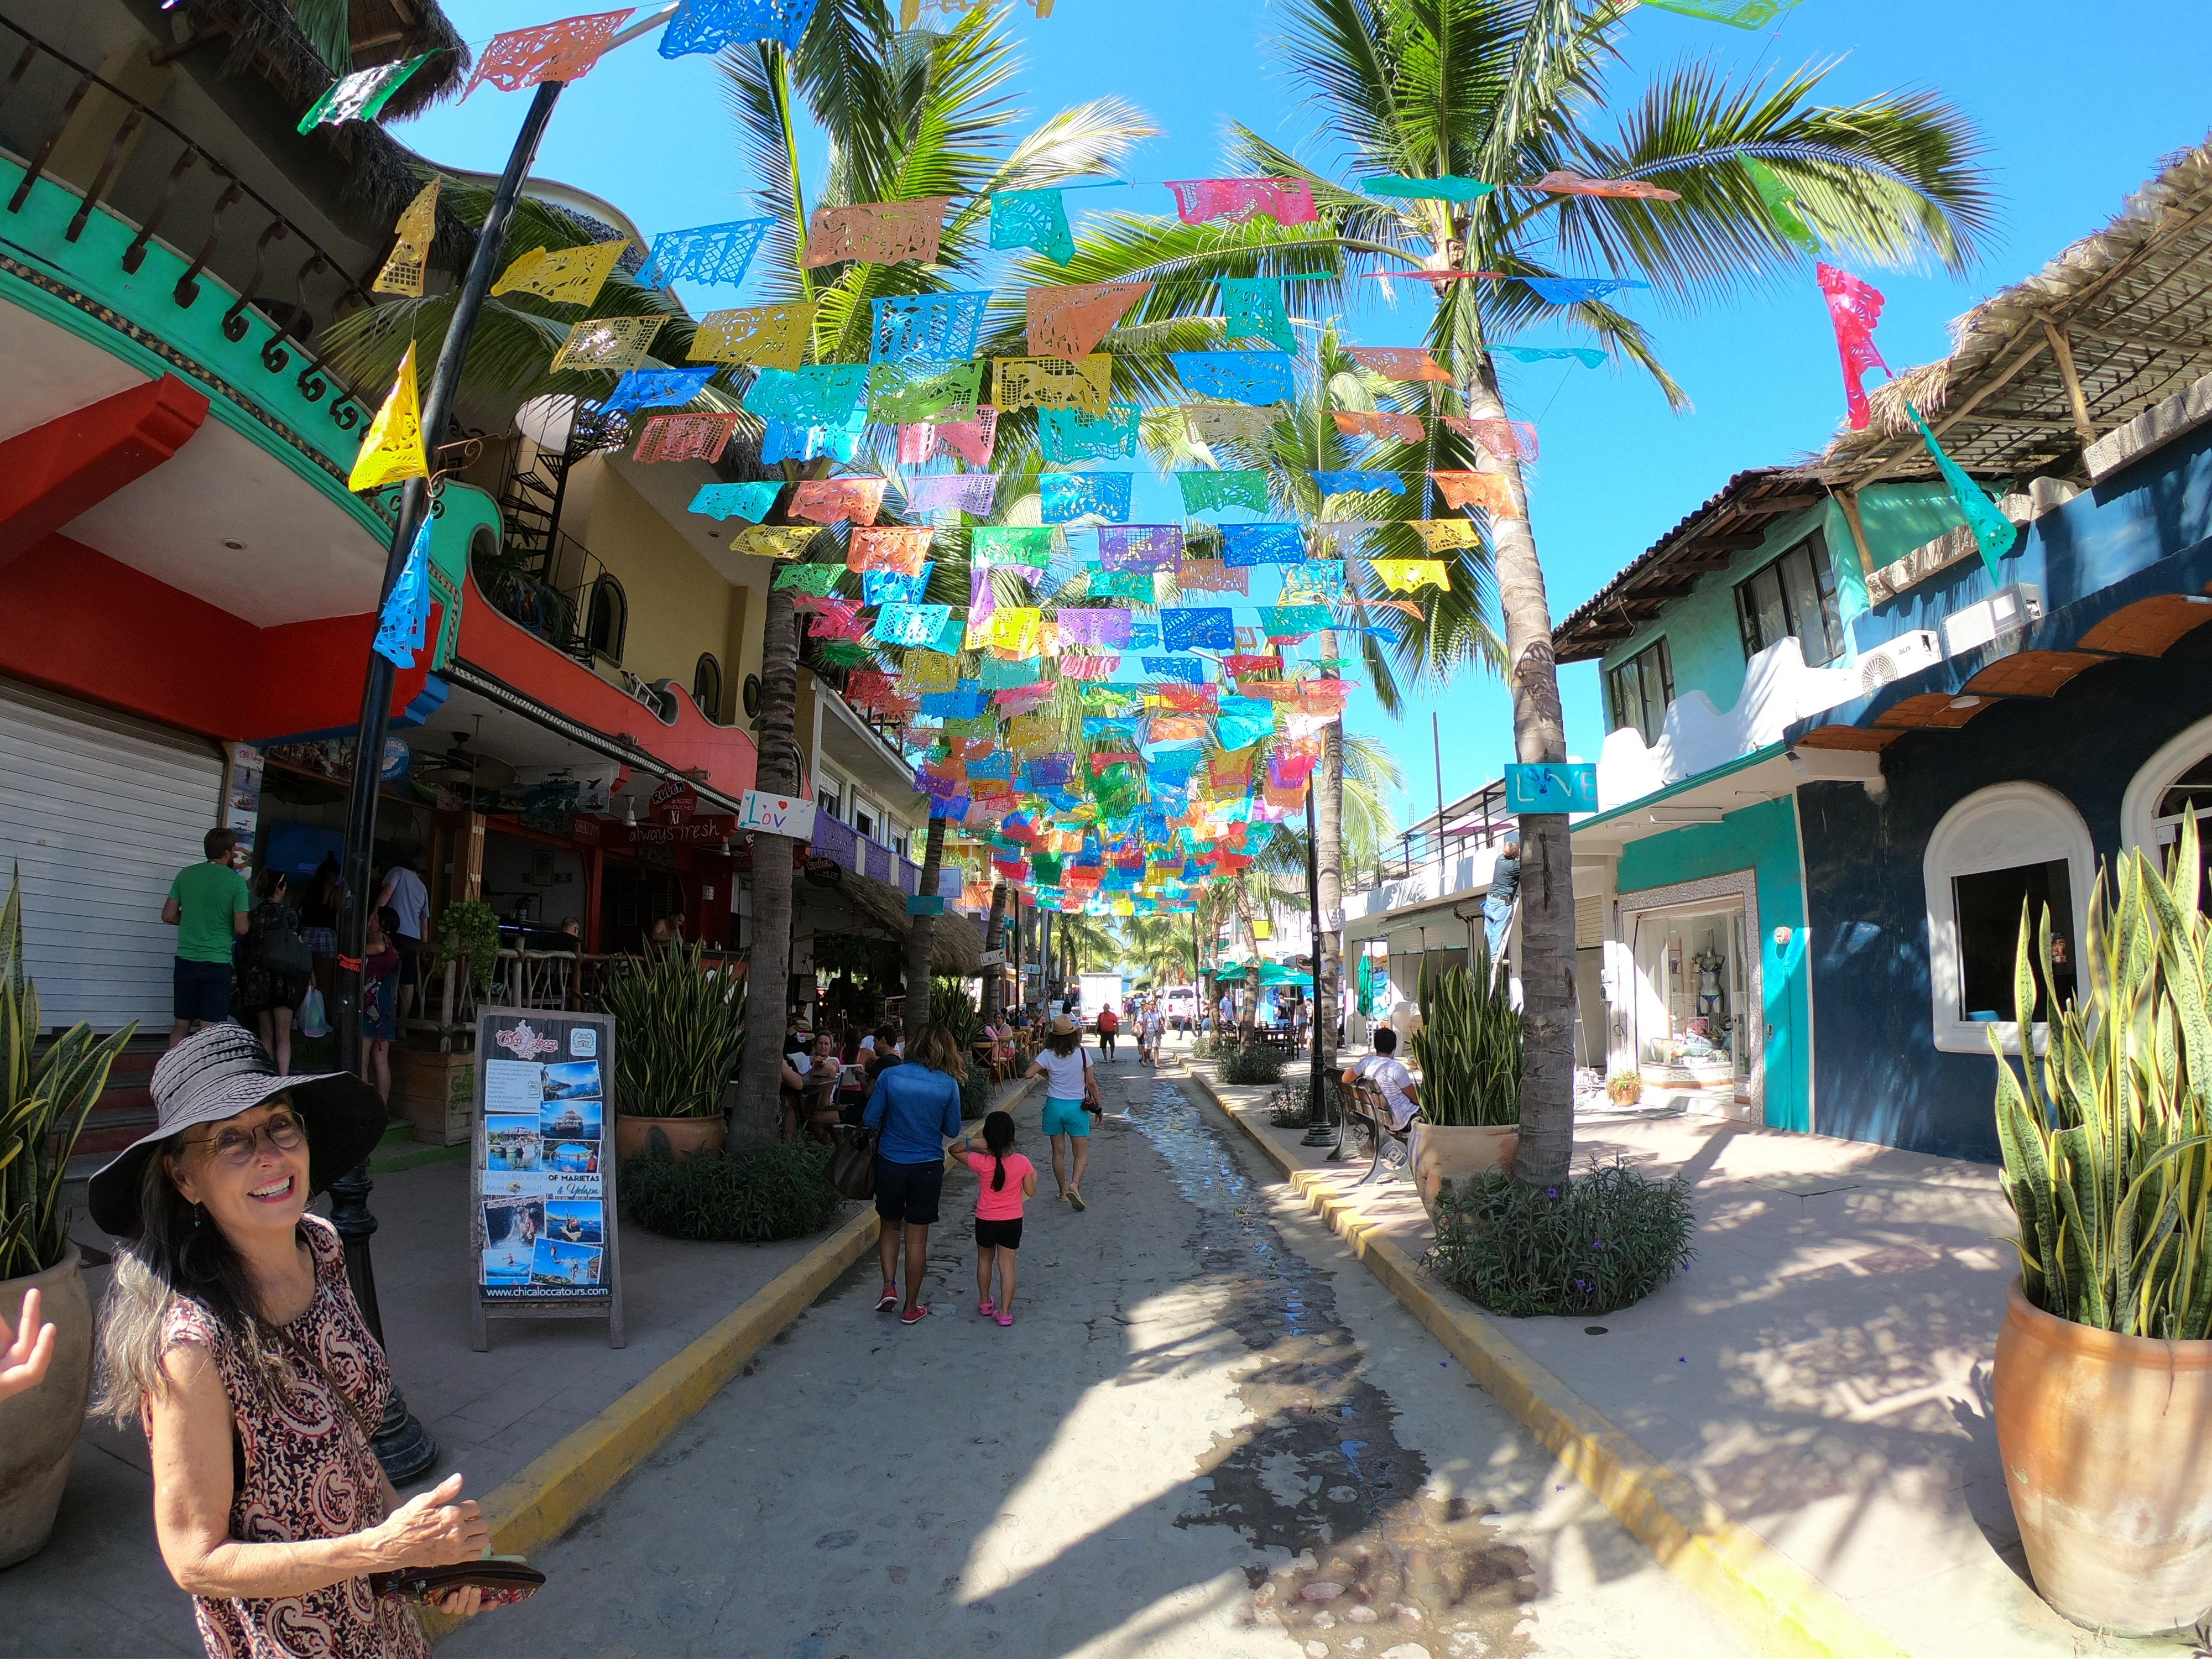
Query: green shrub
{"points": [[1202, 1047], [1251, 1064], [1469, 1047], [679, 1032], [976, 1092], [752, 1196], [1602, 1242]]}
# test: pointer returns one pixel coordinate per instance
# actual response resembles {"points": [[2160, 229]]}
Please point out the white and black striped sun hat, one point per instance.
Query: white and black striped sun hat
{"points": [[217, 1073]]}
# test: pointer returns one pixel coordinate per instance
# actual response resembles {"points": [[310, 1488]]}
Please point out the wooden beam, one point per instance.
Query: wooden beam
{"points": [[2063, 352], [2143, 341], [2036, 347]]}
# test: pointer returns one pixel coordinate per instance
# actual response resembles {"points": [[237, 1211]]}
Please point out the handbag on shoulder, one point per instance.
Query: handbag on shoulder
{"points": [[853, 1161]]}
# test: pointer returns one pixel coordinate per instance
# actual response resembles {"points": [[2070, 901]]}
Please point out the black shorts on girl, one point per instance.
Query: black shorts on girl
{"points": [[998, 1235]]}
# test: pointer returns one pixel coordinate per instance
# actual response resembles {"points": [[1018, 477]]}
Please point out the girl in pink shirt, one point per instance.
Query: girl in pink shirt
{"points": [[1007, 1179]]}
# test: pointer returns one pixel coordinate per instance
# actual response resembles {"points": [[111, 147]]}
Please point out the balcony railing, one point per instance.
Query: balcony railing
{"points": [[55, 113], [1476, 825]]}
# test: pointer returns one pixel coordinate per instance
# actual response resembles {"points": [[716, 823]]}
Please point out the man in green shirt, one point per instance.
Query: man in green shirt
{"points": [[209, 906]]}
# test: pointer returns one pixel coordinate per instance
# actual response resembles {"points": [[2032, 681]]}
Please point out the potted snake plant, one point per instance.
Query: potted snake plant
{"points": [[679, 1033], [1468, 1048], [2103, 1382], [46, 1094]]}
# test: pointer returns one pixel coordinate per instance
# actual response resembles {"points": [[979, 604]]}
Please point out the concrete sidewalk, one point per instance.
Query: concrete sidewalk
{"points": [[1821, 1374]]}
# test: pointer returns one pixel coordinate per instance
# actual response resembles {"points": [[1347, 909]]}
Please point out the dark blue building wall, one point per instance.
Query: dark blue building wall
{"points": [[2141, 514], [1879, 1076]]}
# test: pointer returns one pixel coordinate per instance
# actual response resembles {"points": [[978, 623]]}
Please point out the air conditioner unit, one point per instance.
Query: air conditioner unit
{"points": [[2009, 610], [1908, 654]]}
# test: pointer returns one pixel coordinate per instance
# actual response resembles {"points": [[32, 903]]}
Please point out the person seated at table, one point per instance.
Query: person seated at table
{"points": [[883, 1052]]}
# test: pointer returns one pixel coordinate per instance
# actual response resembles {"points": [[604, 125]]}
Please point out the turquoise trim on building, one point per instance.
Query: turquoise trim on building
{"points": [[1704, 637], [83, 287], [1763, 839]]}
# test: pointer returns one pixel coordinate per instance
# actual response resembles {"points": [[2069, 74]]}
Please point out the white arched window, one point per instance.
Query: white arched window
{"points": [[2175, 784], [2010, 844]]}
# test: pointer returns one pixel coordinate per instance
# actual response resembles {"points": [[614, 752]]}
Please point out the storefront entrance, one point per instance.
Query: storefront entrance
{"points": [[1697, 1028]]}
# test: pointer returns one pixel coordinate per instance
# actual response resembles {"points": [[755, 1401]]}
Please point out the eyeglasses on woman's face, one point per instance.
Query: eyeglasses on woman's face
{"points": [[235, 1144]]}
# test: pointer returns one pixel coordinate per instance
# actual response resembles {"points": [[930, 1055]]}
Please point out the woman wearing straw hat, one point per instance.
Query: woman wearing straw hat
{"points": [[230, 1331], [1071, 1088]]}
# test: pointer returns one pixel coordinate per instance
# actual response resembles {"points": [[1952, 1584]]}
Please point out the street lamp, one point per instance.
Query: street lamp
{"points": [[1318, 1128], [403, 1445]]}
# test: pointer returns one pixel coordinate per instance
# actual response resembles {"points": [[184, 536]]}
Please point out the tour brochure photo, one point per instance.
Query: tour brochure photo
{"points": [[542, 1229]]}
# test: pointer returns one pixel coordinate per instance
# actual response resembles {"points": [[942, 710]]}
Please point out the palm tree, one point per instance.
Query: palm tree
{"points": [[1510, 91]]}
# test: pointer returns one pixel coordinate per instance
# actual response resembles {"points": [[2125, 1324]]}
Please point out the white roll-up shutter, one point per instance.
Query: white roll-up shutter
{"points": [[100, 811]]}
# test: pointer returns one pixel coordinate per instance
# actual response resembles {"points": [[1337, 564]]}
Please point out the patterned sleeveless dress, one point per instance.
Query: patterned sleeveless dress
{"points": [[308, 1474]]}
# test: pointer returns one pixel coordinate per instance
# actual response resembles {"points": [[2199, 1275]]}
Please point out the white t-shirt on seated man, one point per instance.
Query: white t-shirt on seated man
{"points": [[1387, 1073]]}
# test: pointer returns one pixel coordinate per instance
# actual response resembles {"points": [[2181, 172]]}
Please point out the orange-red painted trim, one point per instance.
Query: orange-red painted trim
{"points": [[494, 643], [71, 464]]}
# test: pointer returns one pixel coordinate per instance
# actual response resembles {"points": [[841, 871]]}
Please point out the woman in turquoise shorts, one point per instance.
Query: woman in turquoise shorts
{"points": [[1070, 1085]]}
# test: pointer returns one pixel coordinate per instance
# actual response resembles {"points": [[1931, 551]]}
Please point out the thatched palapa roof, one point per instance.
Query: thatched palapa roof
{"points": [[2118, 321]]}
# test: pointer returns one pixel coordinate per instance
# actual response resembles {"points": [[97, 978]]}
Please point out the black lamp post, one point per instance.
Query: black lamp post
{"points": [[1318, 1132], [403, 1446]]}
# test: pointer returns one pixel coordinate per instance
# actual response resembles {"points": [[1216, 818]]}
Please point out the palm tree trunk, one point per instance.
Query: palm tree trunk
{"points": [[769, 975], [1248, 1005], [1547, 880], [922, 933], [1328, 869], [995, 978]]}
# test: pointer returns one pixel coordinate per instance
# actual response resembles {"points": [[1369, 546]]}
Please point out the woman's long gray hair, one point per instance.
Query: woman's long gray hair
{"points": [[177, 1253]]}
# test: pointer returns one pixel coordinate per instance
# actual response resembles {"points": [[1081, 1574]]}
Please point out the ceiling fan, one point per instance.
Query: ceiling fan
{"points": [[462, 764]]}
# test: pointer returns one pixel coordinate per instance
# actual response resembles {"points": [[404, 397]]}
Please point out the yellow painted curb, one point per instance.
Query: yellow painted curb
{"points": [[544, 1499], [1782, 1610]]}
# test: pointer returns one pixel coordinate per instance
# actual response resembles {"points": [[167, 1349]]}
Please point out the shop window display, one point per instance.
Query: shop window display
{"points": [[1691, 1004]]}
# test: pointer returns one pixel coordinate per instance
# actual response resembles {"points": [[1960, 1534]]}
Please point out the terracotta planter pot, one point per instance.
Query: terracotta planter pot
{"points": [[1443, 1151], [685, 1135], [39, 1427], [2107, 1458]]}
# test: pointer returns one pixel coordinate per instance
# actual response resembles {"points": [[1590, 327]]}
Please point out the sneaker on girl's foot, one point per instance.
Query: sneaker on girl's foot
{"points": [[888, 1300], [913, 1316]]}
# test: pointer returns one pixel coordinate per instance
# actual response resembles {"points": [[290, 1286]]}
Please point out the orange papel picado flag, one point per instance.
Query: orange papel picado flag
{"points": [[393, 448]]}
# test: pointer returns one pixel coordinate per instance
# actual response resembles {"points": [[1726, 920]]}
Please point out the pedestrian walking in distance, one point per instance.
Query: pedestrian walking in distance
{"points": [[1070, 1085], [230, 1333], [916, 1107], [1008, 1178], [1110, 1023], [209, 906]]}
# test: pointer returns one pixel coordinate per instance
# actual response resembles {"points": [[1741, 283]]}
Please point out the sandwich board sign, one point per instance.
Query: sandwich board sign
{"points": [[1553, 786], [541, 1183]]}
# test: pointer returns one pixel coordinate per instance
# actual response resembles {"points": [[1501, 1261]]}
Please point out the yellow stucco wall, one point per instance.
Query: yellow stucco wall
{"points": [[679, 604]]}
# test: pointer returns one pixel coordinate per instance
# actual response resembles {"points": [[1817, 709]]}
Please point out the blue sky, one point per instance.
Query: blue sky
{"points": [[2075, 104]]}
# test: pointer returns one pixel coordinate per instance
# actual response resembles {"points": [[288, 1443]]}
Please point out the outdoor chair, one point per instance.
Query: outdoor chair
{"points": [[819, 1115]]}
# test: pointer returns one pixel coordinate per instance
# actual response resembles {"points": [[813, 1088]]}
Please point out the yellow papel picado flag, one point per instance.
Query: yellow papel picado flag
{"points": [[569, 277], [410, 254], [393, 448]]}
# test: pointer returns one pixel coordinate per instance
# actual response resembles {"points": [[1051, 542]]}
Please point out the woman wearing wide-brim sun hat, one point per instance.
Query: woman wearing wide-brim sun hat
{"points": [[230, 1333]]}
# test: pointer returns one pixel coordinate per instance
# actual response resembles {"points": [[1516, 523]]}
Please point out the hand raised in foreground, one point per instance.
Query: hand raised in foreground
{"points": [[432, 1530], [27, 1351]]}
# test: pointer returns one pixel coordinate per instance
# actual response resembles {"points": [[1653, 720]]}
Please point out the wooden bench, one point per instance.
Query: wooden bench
{"points": [[1365, 1107]]}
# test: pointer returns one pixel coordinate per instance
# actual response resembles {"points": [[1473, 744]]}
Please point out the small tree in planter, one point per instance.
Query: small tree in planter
{"points": [[679, 1034], [1468, 1048], [2104, 1365], [45, 1095]]}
